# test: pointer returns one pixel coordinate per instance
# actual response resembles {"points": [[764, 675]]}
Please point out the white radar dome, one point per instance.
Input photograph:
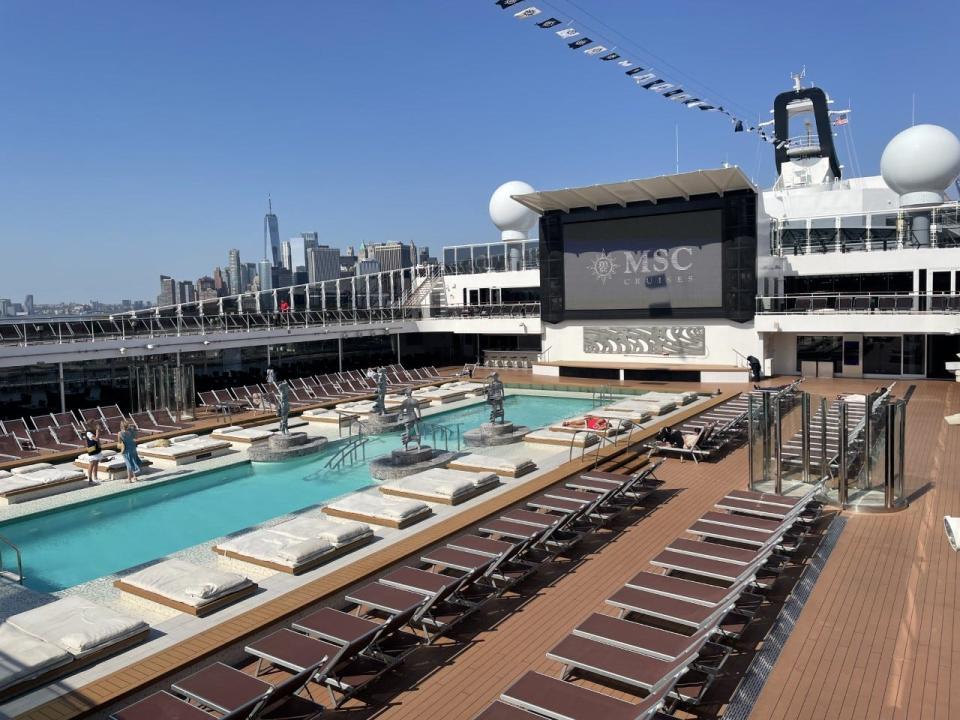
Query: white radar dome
{"points": [[920, 163], [511, 217]]}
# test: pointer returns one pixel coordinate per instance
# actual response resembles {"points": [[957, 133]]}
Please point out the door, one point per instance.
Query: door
{"points": [[852, 356]]}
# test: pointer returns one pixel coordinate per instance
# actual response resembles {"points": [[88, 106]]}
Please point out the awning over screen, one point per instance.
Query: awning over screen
{"points": [[683, 185]]}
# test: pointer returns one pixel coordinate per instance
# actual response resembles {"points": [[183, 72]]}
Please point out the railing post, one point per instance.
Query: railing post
{"points": [[824, 460], [805, 434], [890, 466], [867, 443], [751, 477], [777, 449], [842, 494]]}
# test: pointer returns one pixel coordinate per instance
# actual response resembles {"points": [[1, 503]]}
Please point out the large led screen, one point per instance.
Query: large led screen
{"points": [[644, 263]]}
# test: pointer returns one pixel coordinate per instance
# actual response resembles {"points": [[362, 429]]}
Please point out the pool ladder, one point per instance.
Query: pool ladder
{"points": [[354, 451], [9, 574]]}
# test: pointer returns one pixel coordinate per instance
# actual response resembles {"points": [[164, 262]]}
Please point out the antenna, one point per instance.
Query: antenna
{"points": [[269, 204], [797, 77], [676, 129]]}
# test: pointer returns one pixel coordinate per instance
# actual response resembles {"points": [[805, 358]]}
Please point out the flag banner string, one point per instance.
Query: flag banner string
{"points": [[643, 76]]}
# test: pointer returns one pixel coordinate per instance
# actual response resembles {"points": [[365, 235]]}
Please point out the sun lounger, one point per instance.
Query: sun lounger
{"points": [[553, 698], [297, 545], [717, 551], [43, 421], [17, 427], [164, 417], [682, 612], [338, 627], [441, 485], [374, 508], [328, 417], [47, 441], [480, 545], [711, 568], [146, 425], [504, 467], [111, 467], [619, 664], [65, 419], [189, 588], [641, 405], [637, 637], [565, 439], [237, 694], [26, 660], [238, 435], [347, 669], [12, 449], [39, 645], [184, 450], [29, 482]]}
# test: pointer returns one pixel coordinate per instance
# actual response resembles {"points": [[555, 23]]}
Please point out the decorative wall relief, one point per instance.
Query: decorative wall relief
{"points": [[677, 340]]}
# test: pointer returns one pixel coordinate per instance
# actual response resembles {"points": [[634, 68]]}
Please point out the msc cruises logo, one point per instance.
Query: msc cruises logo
{"points": [[652, 268], [603, 267]]}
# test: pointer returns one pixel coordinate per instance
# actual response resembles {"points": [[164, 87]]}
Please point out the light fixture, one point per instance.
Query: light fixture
{"points": [[206, 342], [150, 346], [122, 350]]}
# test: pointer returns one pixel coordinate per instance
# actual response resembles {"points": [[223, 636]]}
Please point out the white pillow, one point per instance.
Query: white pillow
{"points": [[184, 438], [24, 469]]}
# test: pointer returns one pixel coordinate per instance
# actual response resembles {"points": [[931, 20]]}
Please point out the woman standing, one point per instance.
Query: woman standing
{"points": [[127, 441], [94, 453]]}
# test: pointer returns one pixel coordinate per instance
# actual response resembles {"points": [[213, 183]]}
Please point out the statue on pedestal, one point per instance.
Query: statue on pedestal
{"points": [[495, 398], [380, 406], [283, 407], [410, 416]]}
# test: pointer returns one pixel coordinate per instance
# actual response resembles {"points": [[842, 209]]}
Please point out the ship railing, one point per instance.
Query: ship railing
{"points": [[858, 303], [36, 331]]}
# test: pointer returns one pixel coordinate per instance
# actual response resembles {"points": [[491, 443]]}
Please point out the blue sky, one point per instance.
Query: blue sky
{"points": [[139, 138]]}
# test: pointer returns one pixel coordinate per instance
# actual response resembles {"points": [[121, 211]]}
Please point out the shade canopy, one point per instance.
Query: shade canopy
{"points": [[682, 185]]}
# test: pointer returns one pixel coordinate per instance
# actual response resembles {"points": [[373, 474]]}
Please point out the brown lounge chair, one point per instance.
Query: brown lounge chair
{"points": [[645, 639], [226, 690], [583, 655], [552, 698]]}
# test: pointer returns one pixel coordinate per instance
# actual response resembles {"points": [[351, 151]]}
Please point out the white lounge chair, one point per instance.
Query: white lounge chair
{"points": [[111, 467], [441, 485], [504, 467], [189, 588], [39, 645], [29, 482], [241, 436], [552, 437], [184, 449], [297, 545], [372, 507]]}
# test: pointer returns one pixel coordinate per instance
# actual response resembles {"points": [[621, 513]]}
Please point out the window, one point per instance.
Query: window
{"points": [[820, 348], [497, 257], [913, 359], [882, 354]]}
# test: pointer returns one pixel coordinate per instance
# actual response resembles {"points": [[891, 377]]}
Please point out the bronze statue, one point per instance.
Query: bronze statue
{"points": [[495, 398], [410, 416]]}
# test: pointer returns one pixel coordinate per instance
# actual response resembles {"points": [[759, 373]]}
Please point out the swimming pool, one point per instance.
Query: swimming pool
{"points": [[70, 546]]}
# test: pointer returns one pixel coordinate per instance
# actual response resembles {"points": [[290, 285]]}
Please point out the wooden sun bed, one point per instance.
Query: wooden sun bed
{"points": [[483, 482], [199, 611], [38, 489], [174, 570], [519, 469], [307, 566], [378, 519]]}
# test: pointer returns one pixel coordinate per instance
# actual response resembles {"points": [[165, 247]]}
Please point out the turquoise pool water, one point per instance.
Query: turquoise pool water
{"points": [[70, 546]]}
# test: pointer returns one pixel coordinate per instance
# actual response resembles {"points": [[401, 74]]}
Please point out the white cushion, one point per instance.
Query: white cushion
{"points": [[302, 550], [492, 462], [185, 582], [77, 625], [84, 457], [338, 533], [184, 438], [23, 656], [378, 506], [5, 474], [24, 469]]}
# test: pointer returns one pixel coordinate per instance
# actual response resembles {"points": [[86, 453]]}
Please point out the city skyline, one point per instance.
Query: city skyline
{"points": [[121, 148]]}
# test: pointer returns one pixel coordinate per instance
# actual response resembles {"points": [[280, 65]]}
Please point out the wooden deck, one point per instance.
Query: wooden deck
{"points": [[877, 638]]}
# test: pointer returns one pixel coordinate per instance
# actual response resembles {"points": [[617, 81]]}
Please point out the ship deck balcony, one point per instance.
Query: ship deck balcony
{"points": [[866, 232], [855, 312]]}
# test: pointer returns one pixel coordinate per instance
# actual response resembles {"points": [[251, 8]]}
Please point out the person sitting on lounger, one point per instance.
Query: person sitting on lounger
{"points": [[670, 436], [94, 453], [589, 422]]}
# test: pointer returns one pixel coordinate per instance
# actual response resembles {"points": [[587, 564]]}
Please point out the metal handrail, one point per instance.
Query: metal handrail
{"points": [[355, 443], [9, 543], [445, 431]]}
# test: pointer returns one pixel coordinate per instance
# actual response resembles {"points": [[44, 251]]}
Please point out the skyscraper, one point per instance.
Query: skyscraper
{"points": [[168, 291], [218, 282], [186, 292], [234, 278], [265, 273], [271, 235], [28, 304], [323, 263], [391, 256], [286, 255]]}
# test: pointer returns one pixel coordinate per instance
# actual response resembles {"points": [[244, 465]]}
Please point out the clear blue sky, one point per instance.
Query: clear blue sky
{"points": [[139, 138]]}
